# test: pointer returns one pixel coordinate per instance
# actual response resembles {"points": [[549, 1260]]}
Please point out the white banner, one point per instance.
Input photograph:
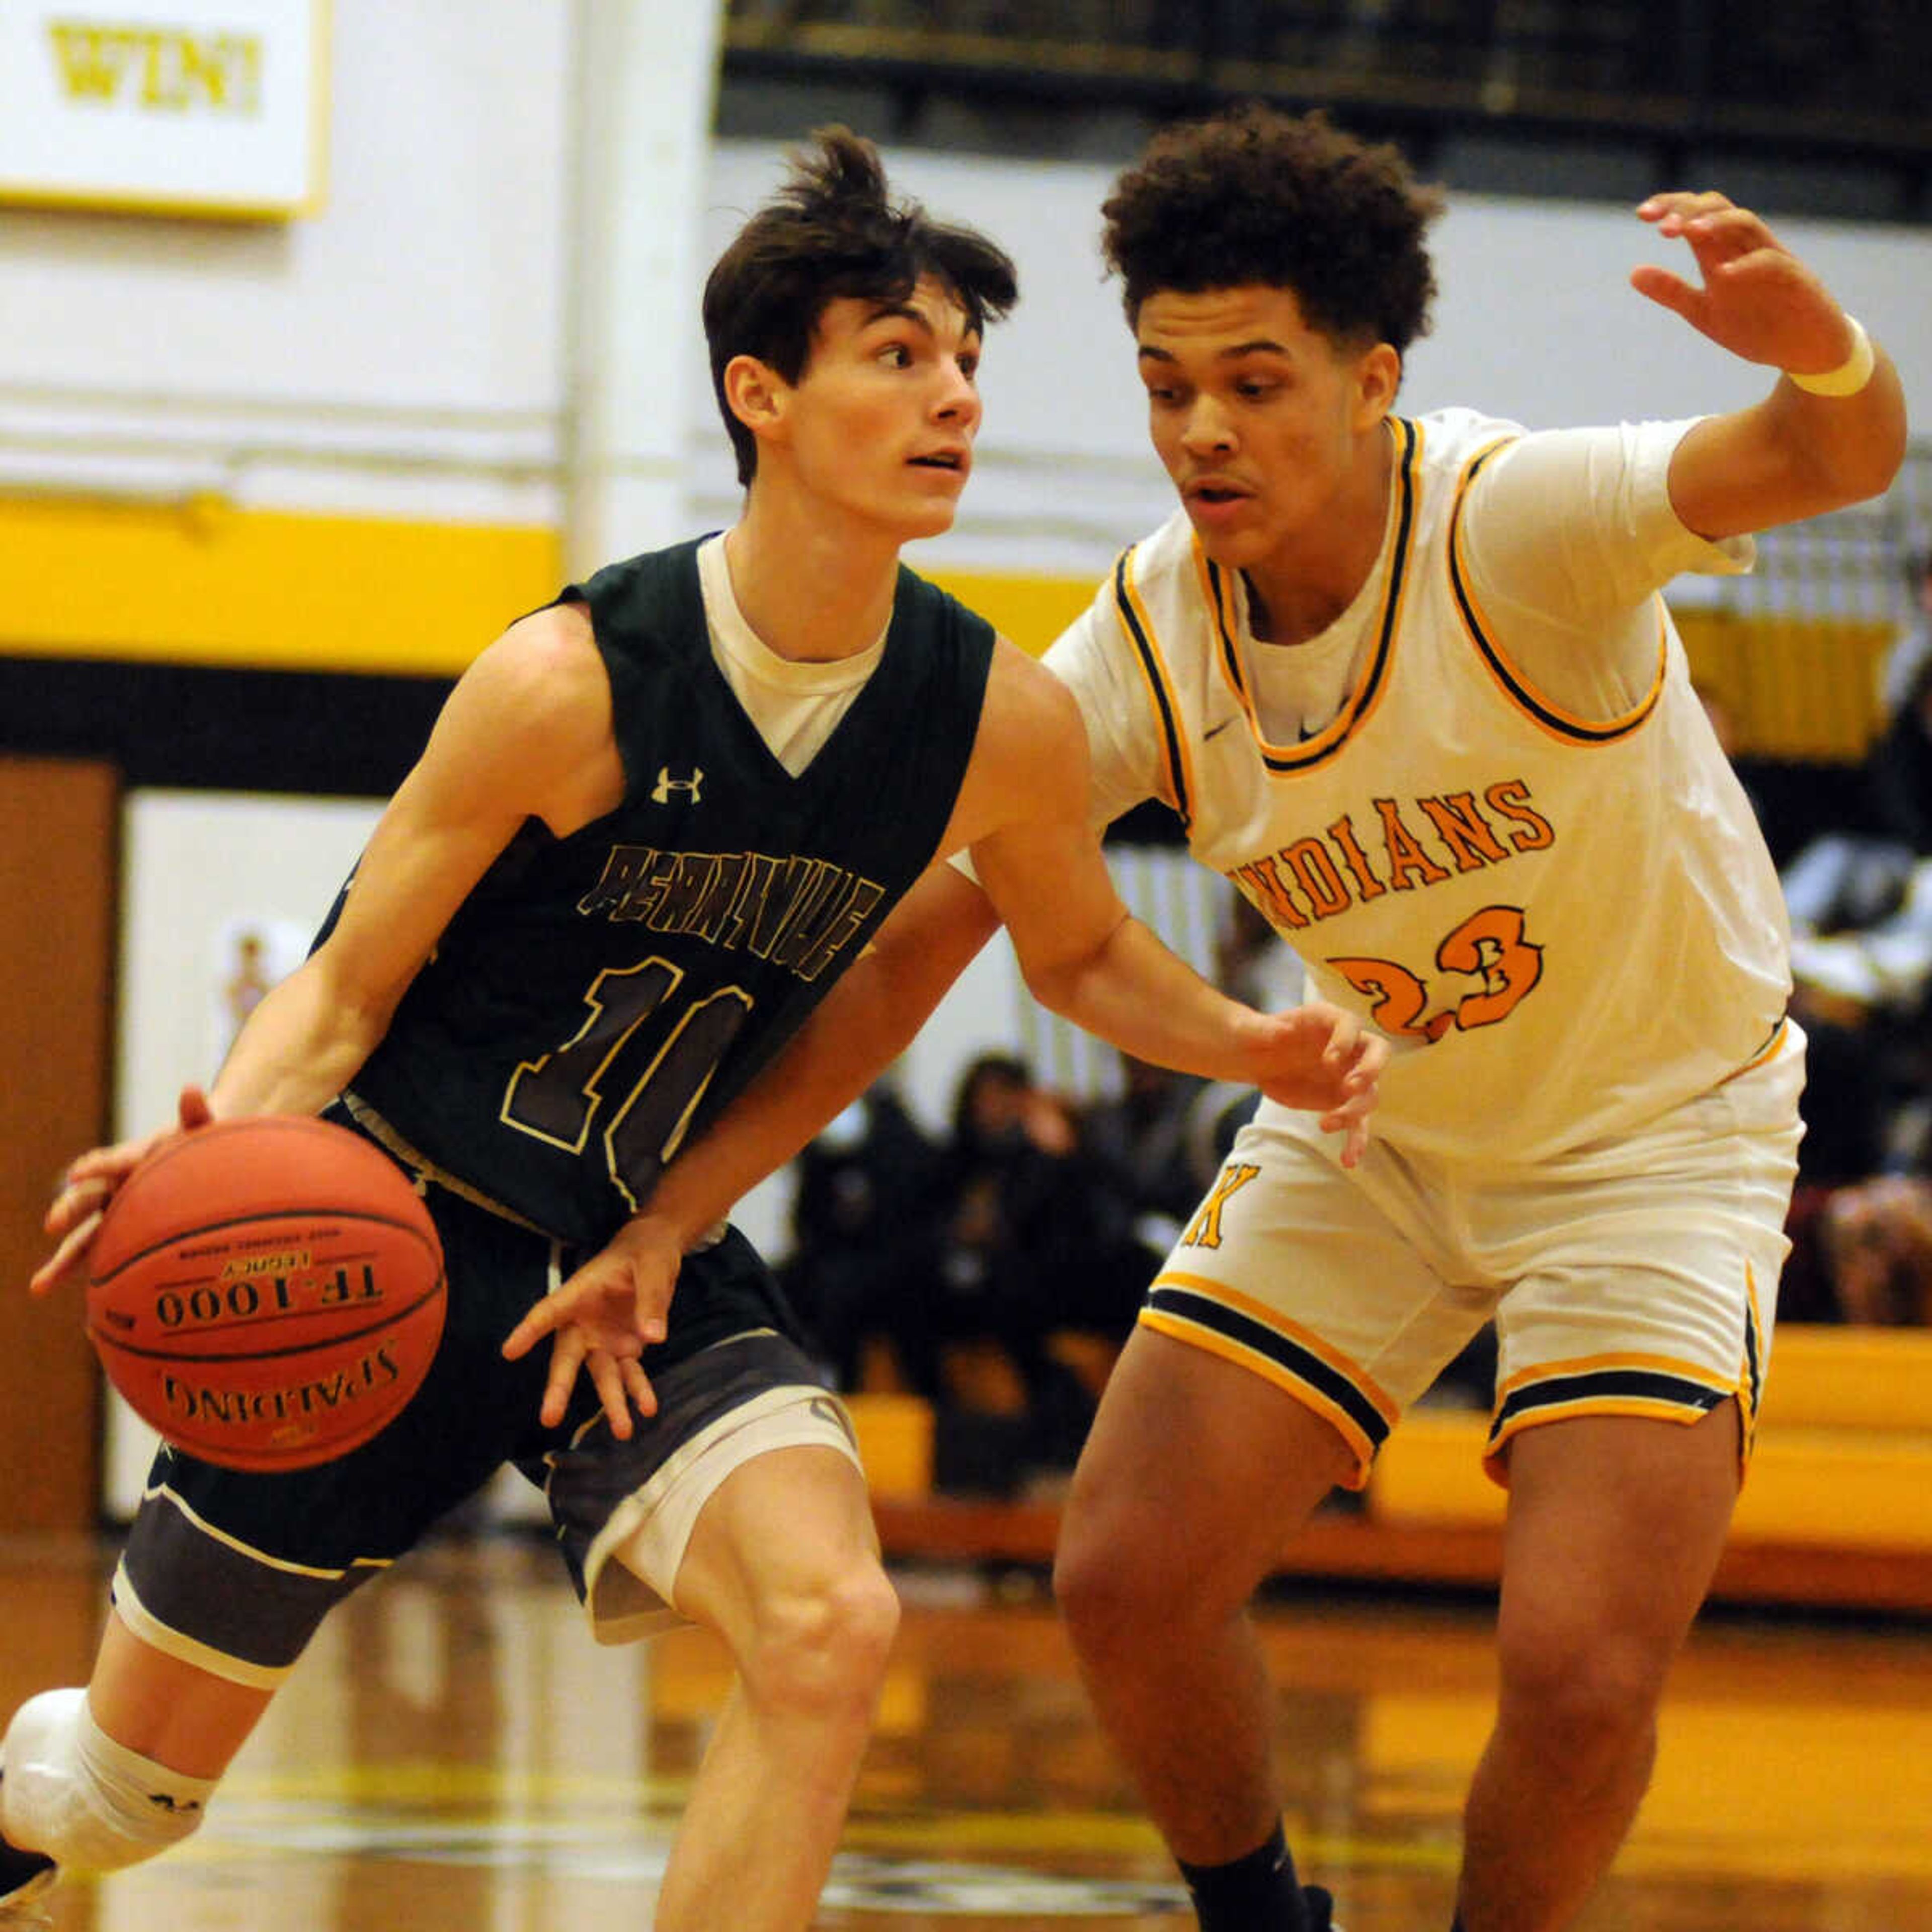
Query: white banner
{"points": [[195, 106]]}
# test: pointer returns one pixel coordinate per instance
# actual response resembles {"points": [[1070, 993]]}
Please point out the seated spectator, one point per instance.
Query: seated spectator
{"points": [[1861, 900], [1034, 1240], [1253, 962], [1146, 1141], [1877, 1236], [1860, 906], [863, 1242], [1912, 651]]}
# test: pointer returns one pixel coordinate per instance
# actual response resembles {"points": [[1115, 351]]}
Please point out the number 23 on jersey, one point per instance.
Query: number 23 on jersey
{"points": [[1489, 945]]}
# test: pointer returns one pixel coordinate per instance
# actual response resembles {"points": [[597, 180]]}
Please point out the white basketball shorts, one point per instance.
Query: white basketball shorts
{"points": [[1635, 1275]]}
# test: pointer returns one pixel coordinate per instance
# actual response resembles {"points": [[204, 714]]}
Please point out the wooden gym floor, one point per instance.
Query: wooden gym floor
{"points": [[455, 1755]]}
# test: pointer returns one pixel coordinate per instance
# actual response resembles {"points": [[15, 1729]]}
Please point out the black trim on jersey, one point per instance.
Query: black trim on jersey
{"points": [[1364, 694], [1753, 1365], [1550, 719], [1223, 603], [1606, 1385], [1187, 1305], [1766, 1048], [1150, 669]]}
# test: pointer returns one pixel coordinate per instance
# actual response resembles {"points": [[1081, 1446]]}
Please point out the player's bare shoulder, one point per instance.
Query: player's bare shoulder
{"points": [[534, 708], [1029, 713], [548, 662], [1030, 754]]}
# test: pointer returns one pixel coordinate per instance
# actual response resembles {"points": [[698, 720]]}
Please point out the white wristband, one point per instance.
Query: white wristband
{"points": [[1850, 376]]}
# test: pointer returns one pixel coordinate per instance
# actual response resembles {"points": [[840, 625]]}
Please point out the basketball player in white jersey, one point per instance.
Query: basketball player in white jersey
{"points": [[1411, 686]]}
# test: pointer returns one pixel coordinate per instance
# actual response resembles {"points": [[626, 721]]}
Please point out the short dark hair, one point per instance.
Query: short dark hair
{"points": [[1252, 195], [835, 230]]}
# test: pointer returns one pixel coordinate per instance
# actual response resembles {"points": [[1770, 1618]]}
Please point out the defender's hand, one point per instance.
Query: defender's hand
{"points": [[1757, 299]]}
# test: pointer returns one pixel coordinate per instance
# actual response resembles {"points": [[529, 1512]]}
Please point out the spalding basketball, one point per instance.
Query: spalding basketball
{"points": [[266, 1292]]}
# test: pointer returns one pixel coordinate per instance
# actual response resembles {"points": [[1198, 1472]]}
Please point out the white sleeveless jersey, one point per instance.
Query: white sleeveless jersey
{"points": [[1563, 926]]}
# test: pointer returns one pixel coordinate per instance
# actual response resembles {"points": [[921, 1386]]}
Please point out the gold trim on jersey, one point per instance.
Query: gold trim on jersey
{"points": [[1217, 590], [1138, 627], [1563, 725], [1216, 586], [1657, 1387], [1751, 1378], [1205, 1314], [1771, 1049], [379, 1129]]}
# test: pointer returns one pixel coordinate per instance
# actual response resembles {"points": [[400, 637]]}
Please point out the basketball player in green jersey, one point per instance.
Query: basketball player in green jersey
{"points": [[654, 823], [1411, 684]]}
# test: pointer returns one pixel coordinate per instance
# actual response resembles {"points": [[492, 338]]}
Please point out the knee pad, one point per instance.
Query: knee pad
{"points": [[70, 1792]]}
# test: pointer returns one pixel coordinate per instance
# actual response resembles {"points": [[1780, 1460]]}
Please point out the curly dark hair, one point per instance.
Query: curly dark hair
{"points": [[1252, 195], [835, 230]]}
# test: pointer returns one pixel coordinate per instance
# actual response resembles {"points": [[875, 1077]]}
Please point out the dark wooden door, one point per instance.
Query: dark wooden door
{"points": [[57, 842]]}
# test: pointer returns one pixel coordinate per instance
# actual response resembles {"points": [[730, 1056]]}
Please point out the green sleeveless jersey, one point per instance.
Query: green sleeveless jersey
{"points": [[598, 998]]}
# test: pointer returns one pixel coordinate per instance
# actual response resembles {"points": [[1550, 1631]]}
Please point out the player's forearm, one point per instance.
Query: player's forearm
{"points": [[1852, 445], [301, 1045], [865, 1022], [818, 1077], [1792, 456], [1134, 993]]}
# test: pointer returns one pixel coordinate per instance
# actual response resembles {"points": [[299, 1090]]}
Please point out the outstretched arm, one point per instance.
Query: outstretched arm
{"points": [[617, 1304], [1086, 957], [526, 732], [1797, 453], [1023, 811], [867, 1021], [1128, 987]]}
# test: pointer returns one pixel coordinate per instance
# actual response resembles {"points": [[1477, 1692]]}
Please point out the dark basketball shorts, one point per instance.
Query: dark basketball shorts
{"points": [[233, 1571]]}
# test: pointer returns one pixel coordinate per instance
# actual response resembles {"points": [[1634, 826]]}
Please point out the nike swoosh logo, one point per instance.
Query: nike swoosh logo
{"points": [[1215, 730]]}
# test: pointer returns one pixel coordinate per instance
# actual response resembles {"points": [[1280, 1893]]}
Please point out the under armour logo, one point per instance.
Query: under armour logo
{"points": [[661, 792]]}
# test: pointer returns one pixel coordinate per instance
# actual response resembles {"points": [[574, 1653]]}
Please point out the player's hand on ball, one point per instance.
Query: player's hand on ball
{"points": [[1318, 1058], [267, 1291], [602, 1319], [87, 1184]]}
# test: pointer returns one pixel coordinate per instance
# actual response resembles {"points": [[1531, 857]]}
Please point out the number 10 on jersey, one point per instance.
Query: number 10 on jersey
{"points": [[639, 1064]]}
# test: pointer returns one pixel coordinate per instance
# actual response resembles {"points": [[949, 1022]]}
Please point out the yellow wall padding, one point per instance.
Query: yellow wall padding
{"points": [[1850, 1378], [1848, 1485], [1030, 611], [1798, 687], [205, 583]]}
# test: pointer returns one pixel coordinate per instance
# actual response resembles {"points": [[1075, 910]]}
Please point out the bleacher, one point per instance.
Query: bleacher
{"points": [[1762, 78], [1837, 1512]]}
